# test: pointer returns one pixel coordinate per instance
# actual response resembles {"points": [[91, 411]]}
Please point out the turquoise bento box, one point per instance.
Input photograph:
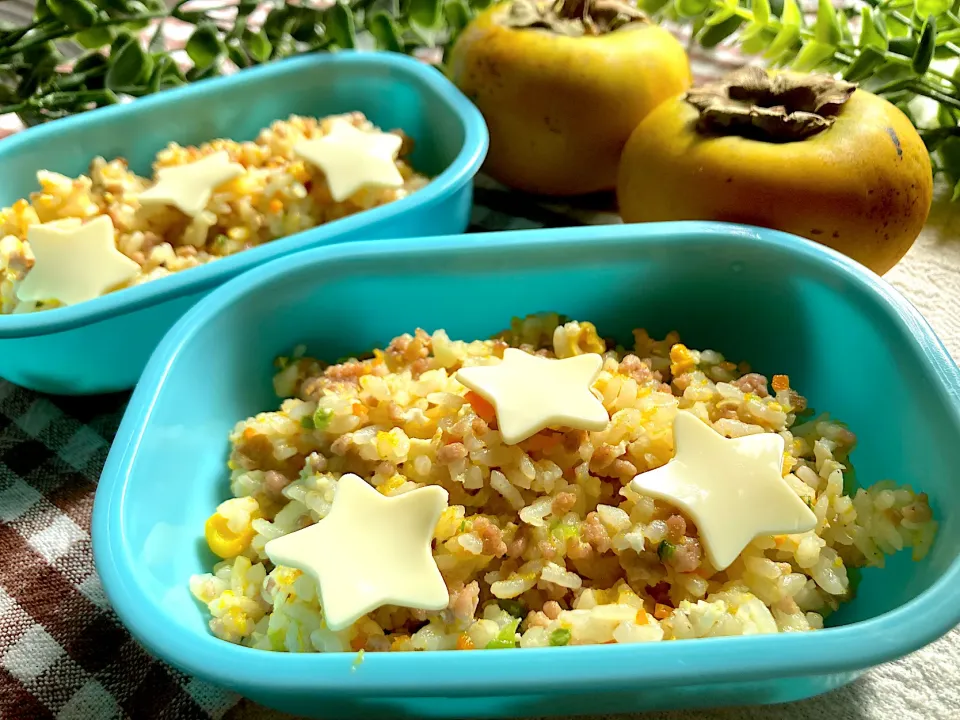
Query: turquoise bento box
{"points": [[848, 341], [102, 345]]}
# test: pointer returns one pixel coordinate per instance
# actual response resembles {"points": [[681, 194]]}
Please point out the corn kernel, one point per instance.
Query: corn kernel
{"points": [[392, 484], [223, 541], [681, 360]]}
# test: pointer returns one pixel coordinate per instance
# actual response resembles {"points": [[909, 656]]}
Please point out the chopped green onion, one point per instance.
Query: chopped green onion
{"points": [[321, 418], [665, 550], [564, 531], [560, 636], [506, 638], [514, 607], [306, 422], [463, 526]]}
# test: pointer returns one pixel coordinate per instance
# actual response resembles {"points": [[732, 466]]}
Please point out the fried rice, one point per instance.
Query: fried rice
{"points": [[277, 196], [542, 543]]}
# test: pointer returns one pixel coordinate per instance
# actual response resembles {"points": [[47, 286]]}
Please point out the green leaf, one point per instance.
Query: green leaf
{"points": [[949, 156], [194, 74], [307, 27], [718, 17], [893, 28], [205, 46], [123, 37], [846, 34], [237, 54], [756, 43], [283, 47], [761, 12], [385, 31], [90, 61], [827, 28], [257, 44], [776, 8], [458, 15], [158, 74], [925, 8], [925, 47], [129, 67], [691, 8], [134, 7], [41, 11], [813, 55], [95, 38], [341, 26], [867, 61], [651, 7], [75, 14], [424, 13], [716, 34], [275, 24], [870, 34], [789, 30], [905, 46]]}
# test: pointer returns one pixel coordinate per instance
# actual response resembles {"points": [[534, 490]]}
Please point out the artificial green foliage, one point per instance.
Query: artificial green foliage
{"points": [[118, 62], [899, 49]]}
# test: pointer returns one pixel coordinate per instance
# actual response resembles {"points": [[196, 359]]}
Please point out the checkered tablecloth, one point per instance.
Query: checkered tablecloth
{"points": [[63, 652]]}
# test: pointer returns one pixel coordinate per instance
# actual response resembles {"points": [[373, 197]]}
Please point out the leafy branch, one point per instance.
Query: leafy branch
{"points": [[899, 49], [119, 61]]}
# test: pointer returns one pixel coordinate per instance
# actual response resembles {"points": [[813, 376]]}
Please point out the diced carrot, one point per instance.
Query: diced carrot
{"points": [[641, 617], [358, 642], [358, 409], [781, 382], [464, 642], [276, 205], [480, 406], [778, 540], [662, 611], [249, 433]]}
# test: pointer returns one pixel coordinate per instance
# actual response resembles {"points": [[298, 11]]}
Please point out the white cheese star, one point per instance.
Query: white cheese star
{"points": [[74, 261], [189, 187], [352, 159], [369, 551], [733, 489], [531, 393]]}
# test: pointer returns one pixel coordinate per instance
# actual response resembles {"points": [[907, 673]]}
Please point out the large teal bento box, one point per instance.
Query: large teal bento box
{"points": [[848, 341], [102, 345]]}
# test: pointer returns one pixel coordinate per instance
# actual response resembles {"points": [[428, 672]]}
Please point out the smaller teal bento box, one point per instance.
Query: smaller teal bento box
{"points": [[102, 345], [849, 343]]}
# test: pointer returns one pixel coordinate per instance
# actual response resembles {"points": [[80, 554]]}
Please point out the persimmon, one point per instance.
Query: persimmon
{"points": [[806, 154], [561, 87]]}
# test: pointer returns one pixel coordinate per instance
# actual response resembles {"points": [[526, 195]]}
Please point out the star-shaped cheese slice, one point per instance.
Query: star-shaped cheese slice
{"points": [[352, 159], [530, 393], [732, 489], [74, 261], [369, 551], [189, 187]]}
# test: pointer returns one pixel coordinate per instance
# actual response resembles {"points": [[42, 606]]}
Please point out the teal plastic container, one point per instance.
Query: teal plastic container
{"points": [[102, 345], [849, 342]]}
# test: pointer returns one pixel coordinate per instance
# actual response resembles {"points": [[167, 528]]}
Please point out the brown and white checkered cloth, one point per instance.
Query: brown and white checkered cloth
{"points": [[63, 652]]}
